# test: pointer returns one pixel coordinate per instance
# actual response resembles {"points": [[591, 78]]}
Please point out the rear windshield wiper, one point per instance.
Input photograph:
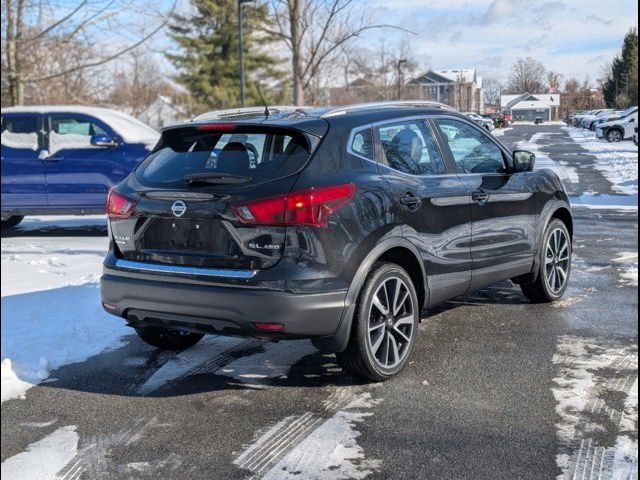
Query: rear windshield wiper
{"points": [[214, 178]]}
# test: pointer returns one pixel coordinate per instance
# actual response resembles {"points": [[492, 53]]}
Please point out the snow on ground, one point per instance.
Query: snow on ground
{"points": [[628, 262], [499, 132], [591, 377], [314, 446], [43, 459], [618, 162], [566, 173], [51, 311]]}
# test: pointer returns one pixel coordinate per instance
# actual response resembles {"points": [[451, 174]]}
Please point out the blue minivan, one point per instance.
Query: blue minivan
{"points": [[62, 160]]}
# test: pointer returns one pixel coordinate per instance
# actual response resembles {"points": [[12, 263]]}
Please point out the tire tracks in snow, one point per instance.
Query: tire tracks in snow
{"points": [[597, 394], [314, 445]]}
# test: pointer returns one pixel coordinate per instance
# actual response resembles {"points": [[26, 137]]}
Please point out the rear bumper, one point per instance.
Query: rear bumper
{"points": [[219, 309]]}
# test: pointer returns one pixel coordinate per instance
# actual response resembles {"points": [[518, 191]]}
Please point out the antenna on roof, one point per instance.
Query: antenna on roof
{"points": [[266, 108]]}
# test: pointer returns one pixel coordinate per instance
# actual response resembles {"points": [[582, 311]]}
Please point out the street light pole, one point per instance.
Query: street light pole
{"points": [[241, 49]]}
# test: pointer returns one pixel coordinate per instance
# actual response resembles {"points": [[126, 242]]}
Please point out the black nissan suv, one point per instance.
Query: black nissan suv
{"points": [[339, 225]]}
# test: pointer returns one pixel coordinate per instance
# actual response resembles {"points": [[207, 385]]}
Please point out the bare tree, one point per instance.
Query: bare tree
{"points": [[491, 89], [138, 83], [527, 75], [314, 31], [31, 28], [554, 81]]}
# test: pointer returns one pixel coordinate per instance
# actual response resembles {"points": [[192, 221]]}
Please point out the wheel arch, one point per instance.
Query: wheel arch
{"points": [[563, 214], [396, 250]]}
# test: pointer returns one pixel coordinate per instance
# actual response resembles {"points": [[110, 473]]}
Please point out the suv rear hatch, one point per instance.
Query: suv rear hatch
{"points": [[186, 204]]}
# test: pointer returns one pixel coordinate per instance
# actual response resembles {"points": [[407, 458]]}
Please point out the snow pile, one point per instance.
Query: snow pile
{"points": [[51, 310], [618, 162]]}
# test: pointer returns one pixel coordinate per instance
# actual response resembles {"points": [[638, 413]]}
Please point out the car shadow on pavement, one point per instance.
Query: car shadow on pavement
{"points": [[503, 293], [70, 319], [137, 370]]}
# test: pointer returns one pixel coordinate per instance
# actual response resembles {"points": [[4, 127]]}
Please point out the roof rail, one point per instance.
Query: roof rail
{"points": [[391, 104], [248, 112]]}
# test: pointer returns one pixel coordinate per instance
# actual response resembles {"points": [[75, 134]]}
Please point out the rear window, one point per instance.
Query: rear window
{"points": [[258, 155]]}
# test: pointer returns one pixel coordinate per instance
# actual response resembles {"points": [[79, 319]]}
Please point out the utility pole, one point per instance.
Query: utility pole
{"points": [[241, 50], [400, 79]]}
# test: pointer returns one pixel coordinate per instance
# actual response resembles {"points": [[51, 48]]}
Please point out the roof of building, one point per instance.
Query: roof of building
{"points": [[548, 99]]}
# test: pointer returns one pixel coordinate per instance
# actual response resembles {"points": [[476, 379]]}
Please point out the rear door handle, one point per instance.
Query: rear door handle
{"points": [[410, 200], [480, 196]]}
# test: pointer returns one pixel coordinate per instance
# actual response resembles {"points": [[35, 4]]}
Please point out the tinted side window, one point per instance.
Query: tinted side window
{"points": [[410, 147], [472, 150], [20, 131], [362, 143]]}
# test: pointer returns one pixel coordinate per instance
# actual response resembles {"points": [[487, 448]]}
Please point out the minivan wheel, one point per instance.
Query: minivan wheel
{"points": [[11, 221], [384, 326], [168, 339], [614, 135], [555, 265]]}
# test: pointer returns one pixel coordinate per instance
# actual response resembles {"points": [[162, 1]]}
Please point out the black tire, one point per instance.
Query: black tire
{"points": [[359, 358], [168, 339], [12, 221], [541, 291]]}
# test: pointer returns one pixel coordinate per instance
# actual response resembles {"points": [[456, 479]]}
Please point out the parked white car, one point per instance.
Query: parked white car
{"points": [[618, 130], [587, 120], [615, 115], [483, 122]]}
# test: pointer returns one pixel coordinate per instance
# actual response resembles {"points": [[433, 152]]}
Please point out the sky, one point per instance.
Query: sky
{"points": [[573, 37]]}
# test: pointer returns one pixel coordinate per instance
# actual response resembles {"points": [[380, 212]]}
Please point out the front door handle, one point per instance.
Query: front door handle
{"points": [[410, 200], [480, 197]]}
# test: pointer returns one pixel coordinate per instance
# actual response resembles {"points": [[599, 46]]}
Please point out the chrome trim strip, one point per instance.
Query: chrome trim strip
{"points": [[207, 272]]}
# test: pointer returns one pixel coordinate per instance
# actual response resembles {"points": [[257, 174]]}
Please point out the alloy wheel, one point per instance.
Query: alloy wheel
{"points": [[557, 258], [391, 322], [615, 136]]}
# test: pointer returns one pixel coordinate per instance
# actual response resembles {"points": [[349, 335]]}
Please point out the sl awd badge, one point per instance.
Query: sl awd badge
{"points": [[178, 208]]}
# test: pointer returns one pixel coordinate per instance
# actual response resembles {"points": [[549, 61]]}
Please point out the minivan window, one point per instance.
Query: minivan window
{"points": [[257, 156], [411, 147], [20, 132]]}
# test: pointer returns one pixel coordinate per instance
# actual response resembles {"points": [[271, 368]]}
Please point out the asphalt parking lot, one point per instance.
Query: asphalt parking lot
{"points": [[497, 388]]}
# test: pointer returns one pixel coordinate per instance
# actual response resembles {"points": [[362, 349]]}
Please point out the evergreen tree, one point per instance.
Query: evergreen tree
{"points": [[621, 87], [208, 64]]}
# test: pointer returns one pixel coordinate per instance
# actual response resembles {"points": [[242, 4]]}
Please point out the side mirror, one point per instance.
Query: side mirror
{"points": [[523, 161], [103, 141]]}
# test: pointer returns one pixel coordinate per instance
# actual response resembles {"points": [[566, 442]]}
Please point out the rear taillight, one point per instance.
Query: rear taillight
{"points": [[311, 207], [119, 206]]}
